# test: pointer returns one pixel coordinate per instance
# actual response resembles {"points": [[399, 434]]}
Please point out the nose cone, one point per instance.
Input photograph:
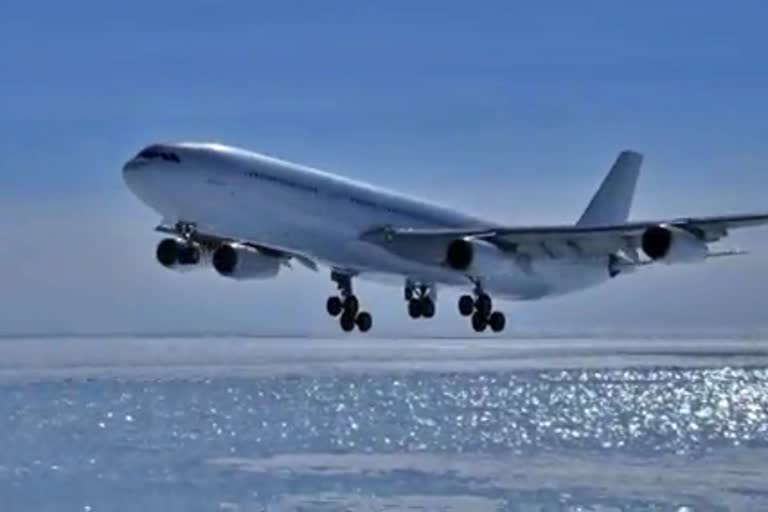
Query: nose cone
{"points": [[132, 174], [146, 179], [131, 165], [155, 175]]}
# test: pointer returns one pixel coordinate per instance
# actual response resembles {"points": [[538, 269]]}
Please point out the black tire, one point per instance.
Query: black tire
{"points": [[427, 308], [466, 305], [347, 322], [334, 306], [364, 321], [351, 306], [408, 293], [414, 308], [484, 305], [167, 252], [479, 322], [497, 321]]}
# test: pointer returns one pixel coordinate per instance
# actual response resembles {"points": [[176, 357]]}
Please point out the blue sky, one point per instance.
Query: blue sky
{"points": [[507, 110]]}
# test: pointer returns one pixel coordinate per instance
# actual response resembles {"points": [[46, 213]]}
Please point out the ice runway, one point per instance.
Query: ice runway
{"points": [[175, 357], [291, 424]]}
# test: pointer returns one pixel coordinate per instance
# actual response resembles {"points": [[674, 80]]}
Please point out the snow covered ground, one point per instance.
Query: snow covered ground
{"points": [[283, 424]]}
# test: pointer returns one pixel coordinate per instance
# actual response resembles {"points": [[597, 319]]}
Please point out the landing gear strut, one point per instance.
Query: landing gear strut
{"points": [[421, 300], [346, 307], [187, 230], [480, 308]]}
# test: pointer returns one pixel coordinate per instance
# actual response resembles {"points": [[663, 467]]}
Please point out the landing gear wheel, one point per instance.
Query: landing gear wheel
{"points": [[364, 321], [346, 306], [497, 321], [415, 309], [427, 308], [479, 322], [351, 306], [347, 322], [466, 305], [334, 306], [484, 305]]}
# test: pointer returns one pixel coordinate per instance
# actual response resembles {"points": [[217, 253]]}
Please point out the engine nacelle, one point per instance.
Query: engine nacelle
{"points": [[669, 244], [240, 262], [476, 257], [181, 256]]}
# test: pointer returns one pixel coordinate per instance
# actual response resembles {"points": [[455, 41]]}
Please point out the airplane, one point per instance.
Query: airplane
{"points": [[249, 216]]}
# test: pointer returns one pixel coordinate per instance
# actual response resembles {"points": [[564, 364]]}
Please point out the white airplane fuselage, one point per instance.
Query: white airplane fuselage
{"points": [[247, 196]]}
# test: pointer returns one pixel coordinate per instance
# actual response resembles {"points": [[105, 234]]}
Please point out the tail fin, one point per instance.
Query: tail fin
{"points": [[613, 200]]}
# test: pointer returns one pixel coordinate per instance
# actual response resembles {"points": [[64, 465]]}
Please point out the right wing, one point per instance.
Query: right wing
{"points": [[558, 241]]}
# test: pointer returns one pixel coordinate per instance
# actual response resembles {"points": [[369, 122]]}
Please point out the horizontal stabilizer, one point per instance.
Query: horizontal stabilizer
{"points": [[726, 254]]}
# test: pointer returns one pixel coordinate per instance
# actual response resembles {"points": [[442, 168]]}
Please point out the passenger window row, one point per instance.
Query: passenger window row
{"points": [[314, 190], [281, 181], [396, 211]]}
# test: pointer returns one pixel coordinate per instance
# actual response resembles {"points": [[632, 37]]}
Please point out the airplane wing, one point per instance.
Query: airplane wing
{"points": [[558, 241], [215, 240]]}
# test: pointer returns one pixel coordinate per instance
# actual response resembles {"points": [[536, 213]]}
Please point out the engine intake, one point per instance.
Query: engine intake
{"points": [[177, 254], [657, 241], [225, 260], [669, 244], [476, 257], [459, 255], [240, 262]]}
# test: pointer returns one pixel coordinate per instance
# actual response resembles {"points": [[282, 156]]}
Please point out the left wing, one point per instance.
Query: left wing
{"points": [[558, 241], [215, 241]]}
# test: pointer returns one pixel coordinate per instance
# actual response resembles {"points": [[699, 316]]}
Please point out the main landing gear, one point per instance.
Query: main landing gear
{"points": [[480, 308], [346, 307], [421, 300]]}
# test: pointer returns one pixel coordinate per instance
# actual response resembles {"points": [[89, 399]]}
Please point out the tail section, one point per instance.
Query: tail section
{"points": [[613, 200]]}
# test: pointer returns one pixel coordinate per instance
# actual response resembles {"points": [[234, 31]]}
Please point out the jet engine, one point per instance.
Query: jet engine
{"points": [[669, 244], [240, 262], [180, 255], [475, 257]]}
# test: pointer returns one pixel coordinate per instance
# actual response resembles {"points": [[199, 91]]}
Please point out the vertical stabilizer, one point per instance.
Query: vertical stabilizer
{"points": [[611, 203]]}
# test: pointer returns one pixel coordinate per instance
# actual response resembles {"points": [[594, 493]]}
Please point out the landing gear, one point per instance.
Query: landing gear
{"points": [[347, 322], [421, 300], [466, 305], [364, 321], [414, 308], [497, 321], [334, 306], [187, 230], [480, 308], [351, 306], [479, 322], [346, 306]]}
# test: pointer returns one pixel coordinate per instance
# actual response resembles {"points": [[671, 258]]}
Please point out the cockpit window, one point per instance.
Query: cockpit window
{"points": [[154, 152]]}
